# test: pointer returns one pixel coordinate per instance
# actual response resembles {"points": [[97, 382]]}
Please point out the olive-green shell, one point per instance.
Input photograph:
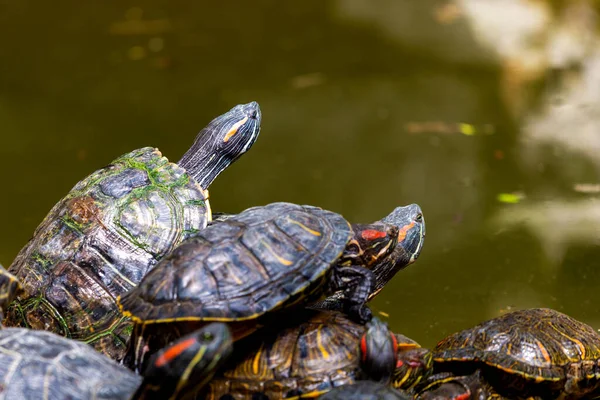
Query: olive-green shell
{"points": [[99, 241], [262, 259], [42, 365], [308, 357], [536, 345]]}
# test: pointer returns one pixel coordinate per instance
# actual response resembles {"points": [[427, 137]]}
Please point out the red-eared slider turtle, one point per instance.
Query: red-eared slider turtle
{"points": [[42, 365], [450, 387], [535, 352], [309, 358], [264, 260], [110, 230], [366, 390]]}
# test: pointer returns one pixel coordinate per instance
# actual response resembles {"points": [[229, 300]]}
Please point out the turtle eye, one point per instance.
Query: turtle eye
{"points": [[207, 336], [419, 217]]}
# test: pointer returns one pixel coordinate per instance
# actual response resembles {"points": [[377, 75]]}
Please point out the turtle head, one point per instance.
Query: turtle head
{"points": [[370, 244], [410, 225], [378, 351], [413, 364], [222, 142], [187, 364]]}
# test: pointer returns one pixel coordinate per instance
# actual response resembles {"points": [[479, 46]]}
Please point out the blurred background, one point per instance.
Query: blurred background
{"points": [[484, 112]]}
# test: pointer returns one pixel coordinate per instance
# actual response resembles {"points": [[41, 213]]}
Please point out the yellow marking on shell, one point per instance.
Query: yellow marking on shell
{"points": [[138, 320], [234, 276], [581, 347], [282, 260], [537, 379], [310, 395], [256, 361], [544, 352], [234, 129], [322, 348], [306, 228], [578, 343], [188, 370]]}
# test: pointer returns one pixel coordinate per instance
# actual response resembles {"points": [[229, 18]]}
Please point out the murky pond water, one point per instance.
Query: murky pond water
{"points": [[363, 110]]}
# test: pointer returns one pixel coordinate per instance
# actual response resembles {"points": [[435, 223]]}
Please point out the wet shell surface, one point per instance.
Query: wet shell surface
{"points": [[99, 241]]}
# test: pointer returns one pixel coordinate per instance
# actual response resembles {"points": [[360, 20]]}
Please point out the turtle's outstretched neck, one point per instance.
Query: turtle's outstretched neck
{"points": [[222, 142]]}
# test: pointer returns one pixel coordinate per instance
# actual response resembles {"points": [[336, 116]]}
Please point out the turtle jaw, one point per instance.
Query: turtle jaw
{"points": [[411, 232], [222, 142], [410, 223]]}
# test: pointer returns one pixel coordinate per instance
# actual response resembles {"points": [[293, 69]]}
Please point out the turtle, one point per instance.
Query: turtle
{"points": [[267, 259], [366, 390], [113, 227], [538, 352], [37, 364], [320, 351], [449, 387]]}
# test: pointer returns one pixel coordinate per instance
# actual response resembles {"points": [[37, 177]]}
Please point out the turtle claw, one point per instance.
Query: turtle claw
{"points": [[360, 313]]}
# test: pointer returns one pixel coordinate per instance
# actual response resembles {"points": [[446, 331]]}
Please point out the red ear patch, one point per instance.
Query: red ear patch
{"points": [[173, 352], [394, 341], [372, 234], [363, 348]]}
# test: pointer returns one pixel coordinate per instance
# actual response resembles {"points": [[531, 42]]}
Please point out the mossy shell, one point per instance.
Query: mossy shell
{"points": [[99, 241]]}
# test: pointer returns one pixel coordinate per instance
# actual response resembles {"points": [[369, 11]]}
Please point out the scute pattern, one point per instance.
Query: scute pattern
{"points": [[243, 267], [99, 241], [535, 342], [41, 365], [535, 352], [313, 356]]}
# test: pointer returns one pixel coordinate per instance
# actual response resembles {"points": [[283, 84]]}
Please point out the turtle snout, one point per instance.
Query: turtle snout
{"points": [[252, 110]]}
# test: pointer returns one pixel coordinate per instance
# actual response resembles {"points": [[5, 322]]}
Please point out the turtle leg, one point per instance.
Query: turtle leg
{"points": [[357, 283]]}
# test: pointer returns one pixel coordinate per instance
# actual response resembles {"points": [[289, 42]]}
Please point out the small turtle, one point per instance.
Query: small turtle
{"points": [[264, 260], [113, 226], [366, 390], [309, 358], [535, 352], [43, 365]]}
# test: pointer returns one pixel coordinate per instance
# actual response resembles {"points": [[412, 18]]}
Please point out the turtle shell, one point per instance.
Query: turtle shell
{"points": [[43, 365], [260, 260], [541, 352], [99, 241], [311, 357]]}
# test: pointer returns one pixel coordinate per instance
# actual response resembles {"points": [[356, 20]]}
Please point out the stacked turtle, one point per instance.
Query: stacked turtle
{"points": [[270, 303], [533, 354], [135, 234], [104, 236]]}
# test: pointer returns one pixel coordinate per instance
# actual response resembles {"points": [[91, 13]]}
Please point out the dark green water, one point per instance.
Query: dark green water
{"points": [[82, 83]]}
